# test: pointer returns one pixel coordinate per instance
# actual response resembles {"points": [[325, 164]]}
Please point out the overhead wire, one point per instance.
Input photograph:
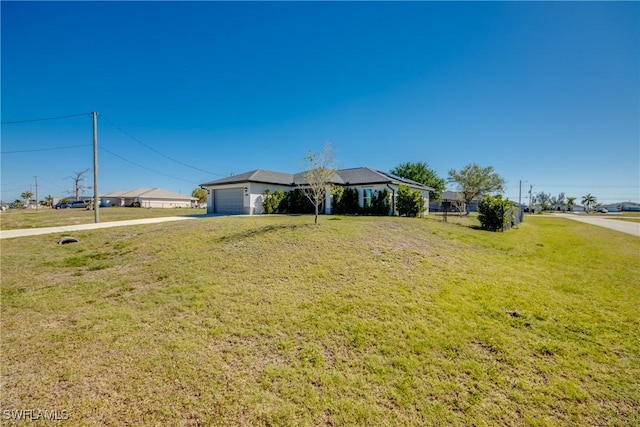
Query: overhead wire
{"points": [[156, 151], [44, 119], [144, 167], [105, 149], [44, 149], [587, 186]]}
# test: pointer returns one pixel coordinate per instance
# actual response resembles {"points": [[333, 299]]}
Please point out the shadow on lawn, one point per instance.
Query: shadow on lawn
{"points": [[259, 232], [476, 227]]}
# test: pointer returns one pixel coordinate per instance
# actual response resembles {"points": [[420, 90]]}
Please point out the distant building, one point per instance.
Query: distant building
{"points": [[453, 201], [148, 198], [622, 207]]}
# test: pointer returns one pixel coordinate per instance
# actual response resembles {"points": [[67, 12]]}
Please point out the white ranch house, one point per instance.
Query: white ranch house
{"points": [[242, 194], [149, 198]]}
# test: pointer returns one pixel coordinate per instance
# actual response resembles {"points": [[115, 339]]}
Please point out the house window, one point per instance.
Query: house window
{"points": [[367, 193]]}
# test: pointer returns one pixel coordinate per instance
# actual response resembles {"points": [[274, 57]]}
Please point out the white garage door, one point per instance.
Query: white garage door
{"points": [[228, 201]]}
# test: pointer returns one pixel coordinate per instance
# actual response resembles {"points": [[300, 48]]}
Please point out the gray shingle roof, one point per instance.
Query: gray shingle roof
{"points": [[257, 175], [353, 176], [359, 176], [300, 178]]}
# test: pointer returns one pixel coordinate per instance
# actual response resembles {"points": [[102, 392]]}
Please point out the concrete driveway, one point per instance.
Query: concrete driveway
{"points": [[629, 227], [22, 232]]}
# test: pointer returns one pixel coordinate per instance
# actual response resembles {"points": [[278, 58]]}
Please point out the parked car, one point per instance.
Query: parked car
{"points": [[73, 204], [62, 205]]}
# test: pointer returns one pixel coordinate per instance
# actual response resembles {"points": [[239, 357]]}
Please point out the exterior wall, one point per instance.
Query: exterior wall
{"points": [[210, 207], [164, 203], [255, 192], [425, 196], [147, 203], [211, 199], [327, 202]]}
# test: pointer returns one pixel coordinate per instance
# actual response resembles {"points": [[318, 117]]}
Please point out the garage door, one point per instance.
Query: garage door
{"points": [[228, 201]]}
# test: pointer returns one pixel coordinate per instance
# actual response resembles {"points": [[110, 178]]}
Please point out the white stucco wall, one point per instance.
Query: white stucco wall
{"points": [[210, 196], [164, 203], [392, 193], [252, 200], [256, 190]]}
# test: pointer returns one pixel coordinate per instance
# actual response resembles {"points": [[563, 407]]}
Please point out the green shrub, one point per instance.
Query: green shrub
{"points": [[345, 201], [380, 203], [409, 202], [494, 213], [296, 202], [337, 206], [272, 202]]}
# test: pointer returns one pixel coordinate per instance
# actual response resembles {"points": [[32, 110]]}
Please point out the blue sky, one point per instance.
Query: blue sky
{"points": [[547, 93]]}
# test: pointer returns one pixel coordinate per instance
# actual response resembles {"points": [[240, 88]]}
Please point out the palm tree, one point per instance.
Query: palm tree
{"points": [[544, 200], [49, 200], [559, 201], [571, 201], [26, 196], [588, 201]]}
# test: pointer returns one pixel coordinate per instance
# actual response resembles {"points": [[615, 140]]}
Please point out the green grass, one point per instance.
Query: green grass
{"points": [[359, 321], [47, 217]]}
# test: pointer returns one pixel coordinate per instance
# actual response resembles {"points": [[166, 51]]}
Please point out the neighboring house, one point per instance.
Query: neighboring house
{"points": [[242, 194], [622, 207], [149, 198], [453, 201]]}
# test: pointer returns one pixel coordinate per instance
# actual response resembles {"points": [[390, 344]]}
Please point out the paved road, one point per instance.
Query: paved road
{"points": [[629, 227], [8, 234]]}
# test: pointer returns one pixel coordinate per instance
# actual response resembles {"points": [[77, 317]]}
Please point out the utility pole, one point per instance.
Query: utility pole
{"points": [[36, 177], [96, 203], [530, 191], [520, 196]]}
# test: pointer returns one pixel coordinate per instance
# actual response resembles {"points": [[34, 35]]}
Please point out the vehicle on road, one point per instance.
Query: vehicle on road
{"points": [[62, 205], [73, 204]]}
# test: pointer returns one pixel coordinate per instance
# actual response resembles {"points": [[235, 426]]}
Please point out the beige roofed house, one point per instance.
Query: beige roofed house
{"points": [[149, 198]]}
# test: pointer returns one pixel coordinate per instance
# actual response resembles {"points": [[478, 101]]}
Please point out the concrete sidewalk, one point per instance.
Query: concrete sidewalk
{"points": [[629, 227], [9, 234]]}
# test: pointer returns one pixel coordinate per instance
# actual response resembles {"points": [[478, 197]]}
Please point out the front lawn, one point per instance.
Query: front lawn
{"points": [[47, 217], [357, 321]]}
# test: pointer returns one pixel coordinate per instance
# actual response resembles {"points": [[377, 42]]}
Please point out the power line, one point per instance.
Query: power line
{"points": [[156, 151], [52, 183], [587, 186], [43, 149], [43, 119], [11, 190], [144, 167]]}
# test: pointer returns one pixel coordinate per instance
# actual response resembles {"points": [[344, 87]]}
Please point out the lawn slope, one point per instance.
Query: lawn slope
{"points": [[47, 217], [358, 321]]}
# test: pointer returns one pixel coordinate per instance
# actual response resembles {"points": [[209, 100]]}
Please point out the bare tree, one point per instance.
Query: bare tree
{"points": [[78, 186], [458, 206], [319, 170]]}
